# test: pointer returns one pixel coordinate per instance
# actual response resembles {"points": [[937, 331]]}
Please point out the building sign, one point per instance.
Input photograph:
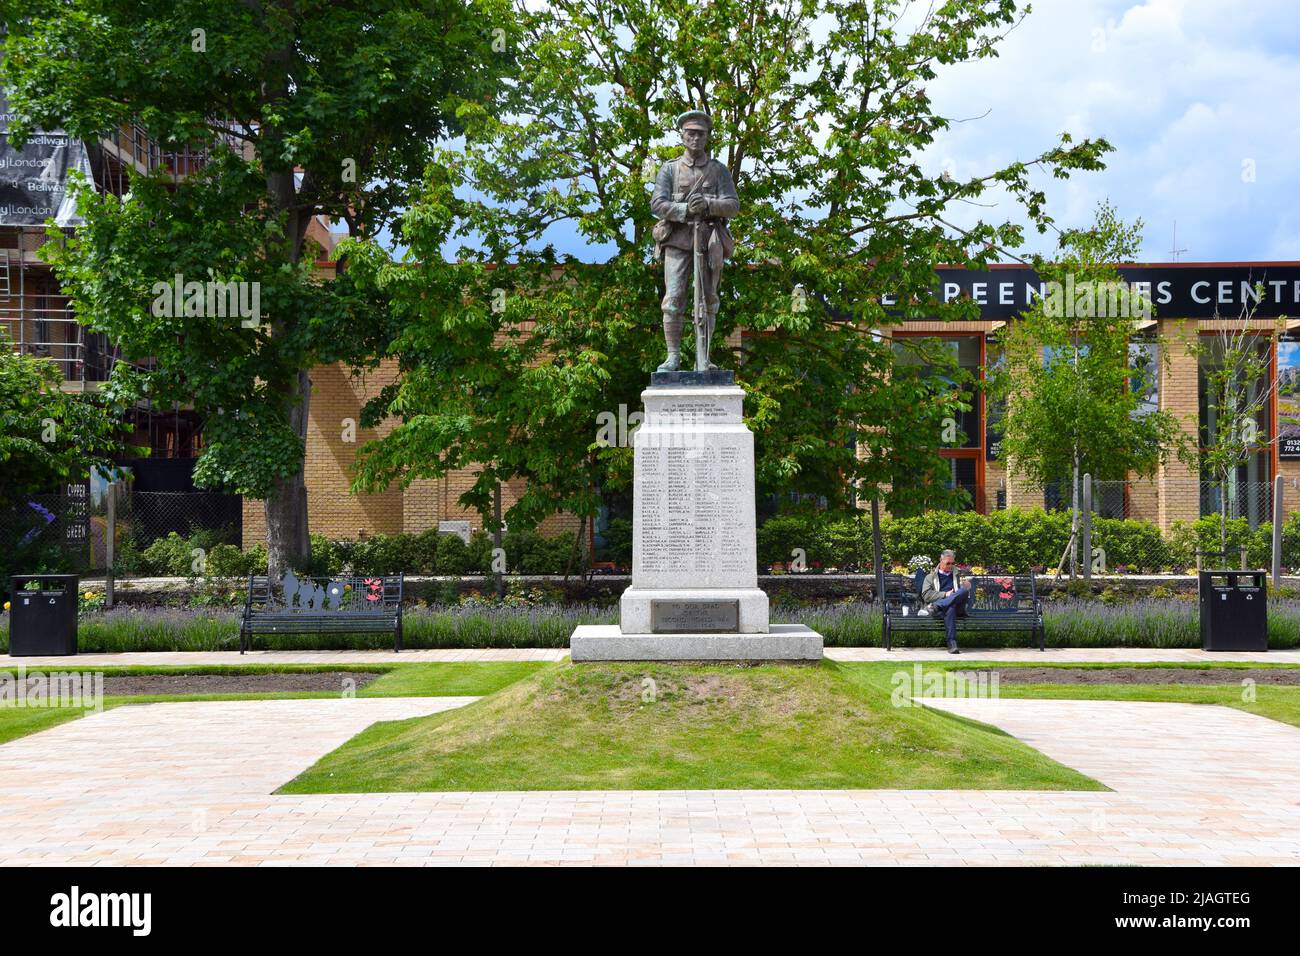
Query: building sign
{"points": [[34, 178], [1176, 291], [76, 516], [1288, 400]]}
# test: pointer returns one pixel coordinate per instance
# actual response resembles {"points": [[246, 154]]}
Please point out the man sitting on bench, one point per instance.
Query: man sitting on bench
{"points": [[944, 593]]}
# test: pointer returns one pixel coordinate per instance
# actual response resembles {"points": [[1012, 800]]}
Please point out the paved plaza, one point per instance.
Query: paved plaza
{"points": [[192, 783], [1072, 655]]}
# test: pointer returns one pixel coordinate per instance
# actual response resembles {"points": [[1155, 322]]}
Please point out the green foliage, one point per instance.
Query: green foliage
{"points": [[37, 556], [228, 561], [331, 109], [46, 435], [167, 556], [618, 543], [821, 112], [453, 556], [1074, 397], [825, 540], [528, 552], [1013, 540]]}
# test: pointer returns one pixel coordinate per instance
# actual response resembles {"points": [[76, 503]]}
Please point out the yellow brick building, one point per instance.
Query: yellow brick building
{"points": [[1188, 298]]}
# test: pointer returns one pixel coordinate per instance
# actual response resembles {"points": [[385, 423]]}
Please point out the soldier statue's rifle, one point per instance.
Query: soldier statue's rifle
{"points": [[698, 317]]}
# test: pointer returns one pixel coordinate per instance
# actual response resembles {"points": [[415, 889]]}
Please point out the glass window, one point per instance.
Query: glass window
{"points": [[995, 408], [1255, 393], [928, 354], [1144, 375]]}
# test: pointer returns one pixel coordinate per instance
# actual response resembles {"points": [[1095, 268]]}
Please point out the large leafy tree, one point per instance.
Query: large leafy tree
{"points": [[1074, 389], [308, 108], [820, 110]]}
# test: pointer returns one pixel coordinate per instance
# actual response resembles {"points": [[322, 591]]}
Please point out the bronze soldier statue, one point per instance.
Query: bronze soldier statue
{"points": [[694, 196]]}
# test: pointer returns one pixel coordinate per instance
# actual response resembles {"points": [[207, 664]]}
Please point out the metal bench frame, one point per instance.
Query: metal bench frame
{"points": [[992, 608], [339, 605]]}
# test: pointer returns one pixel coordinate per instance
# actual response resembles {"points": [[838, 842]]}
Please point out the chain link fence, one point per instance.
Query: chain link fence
{"points": [[69, 532], [51, 533]]}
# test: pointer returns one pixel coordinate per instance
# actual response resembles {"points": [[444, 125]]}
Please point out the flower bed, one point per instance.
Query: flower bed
{"points": [[1070, 622]]}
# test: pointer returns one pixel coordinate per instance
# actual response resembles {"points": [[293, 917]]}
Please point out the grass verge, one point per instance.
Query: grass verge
{"points": [[1275, 702], [452, 679]]}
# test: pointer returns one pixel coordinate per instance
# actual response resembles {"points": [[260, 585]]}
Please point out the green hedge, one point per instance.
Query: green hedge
{"points": [[1010, 540], [428, 552]]}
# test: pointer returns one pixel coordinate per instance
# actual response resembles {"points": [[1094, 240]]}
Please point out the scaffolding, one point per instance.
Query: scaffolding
{"points": [[36, 316]]}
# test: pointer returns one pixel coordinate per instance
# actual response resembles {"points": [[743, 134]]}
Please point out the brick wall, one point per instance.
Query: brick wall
{"points": [[1178, 394], [337, 513]]}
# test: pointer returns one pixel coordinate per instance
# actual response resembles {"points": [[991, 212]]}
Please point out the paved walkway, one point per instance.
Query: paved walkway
{"points": [[191, 783], [1086, 655], [1065, 655], [205, 658]]}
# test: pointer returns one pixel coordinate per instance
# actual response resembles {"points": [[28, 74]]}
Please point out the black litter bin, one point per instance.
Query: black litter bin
{"points": [[1234, 611], [43, 615]]}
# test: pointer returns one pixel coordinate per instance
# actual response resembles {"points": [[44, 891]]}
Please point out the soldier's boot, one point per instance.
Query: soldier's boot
{"points": [[672, 339]]}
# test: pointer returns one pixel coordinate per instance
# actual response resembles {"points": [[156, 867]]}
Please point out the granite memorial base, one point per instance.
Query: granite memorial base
{"points": [[694, 593], [608, 642]]}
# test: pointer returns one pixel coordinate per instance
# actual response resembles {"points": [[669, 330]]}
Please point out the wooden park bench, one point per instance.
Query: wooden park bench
{"points": [[999, 603], [339, 605]]}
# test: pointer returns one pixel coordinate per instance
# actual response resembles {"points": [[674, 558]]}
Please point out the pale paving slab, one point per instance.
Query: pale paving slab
{"points": [[1066, 655], [1083, 655], [190, 783], [207, 658]]}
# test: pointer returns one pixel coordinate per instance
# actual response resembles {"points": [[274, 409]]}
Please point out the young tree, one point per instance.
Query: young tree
{"points": [[307, 108], [46, 435], [820, 111], [1236, 365], [1074, 398]]}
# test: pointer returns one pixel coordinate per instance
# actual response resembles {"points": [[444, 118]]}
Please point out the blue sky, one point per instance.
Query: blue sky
{"points": [[1201, 99]]}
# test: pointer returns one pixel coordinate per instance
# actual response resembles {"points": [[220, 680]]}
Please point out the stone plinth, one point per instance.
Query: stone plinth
{"points": [[694, 593], [608, 642], [693, 511]]}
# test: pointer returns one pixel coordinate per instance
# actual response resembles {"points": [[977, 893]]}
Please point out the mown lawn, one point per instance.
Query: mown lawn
{"points": [[452, 679], [1276, 703], [678, 726]]}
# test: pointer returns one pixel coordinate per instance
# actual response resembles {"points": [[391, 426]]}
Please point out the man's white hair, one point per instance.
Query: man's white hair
{"points": [[947, 553]]}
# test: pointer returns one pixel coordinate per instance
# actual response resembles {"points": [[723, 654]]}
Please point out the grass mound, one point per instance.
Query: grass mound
{"points": [[686, 726]]}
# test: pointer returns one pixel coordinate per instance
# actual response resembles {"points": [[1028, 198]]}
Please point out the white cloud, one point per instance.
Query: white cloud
{"points": [[1186, 90]]}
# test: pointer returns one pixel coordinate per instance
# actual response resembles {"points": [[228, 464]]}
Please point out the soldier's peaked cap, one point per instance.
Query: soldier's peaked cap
{"points": [[695, 118]]}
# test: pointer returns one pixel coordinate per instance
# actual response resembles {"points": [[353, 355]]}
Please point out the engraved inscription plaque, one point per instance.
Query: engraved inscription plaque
{"points": [[702, 617]]}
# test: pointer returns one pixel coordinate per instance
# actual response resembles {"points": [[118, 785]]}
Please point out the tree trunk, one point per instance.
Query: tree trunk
{"points": [[288, 543], [1074, 520]]}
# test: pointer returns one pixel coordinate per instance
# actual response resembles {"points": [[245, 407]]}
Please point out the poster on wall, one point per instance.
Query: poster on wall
{"points": [[1288, 400], [34, 176]]}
